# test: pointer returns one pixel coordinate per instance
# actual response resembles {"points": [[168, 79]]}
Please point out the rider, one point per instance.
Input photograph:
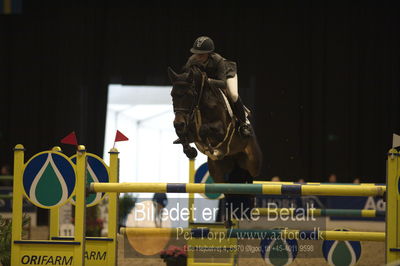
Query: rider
{"points": [[221, 74]]}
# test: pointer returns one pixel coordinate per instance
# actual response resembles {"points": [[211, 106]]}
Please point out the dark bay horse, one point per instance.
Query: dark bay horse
{"points": [[203, 116]]}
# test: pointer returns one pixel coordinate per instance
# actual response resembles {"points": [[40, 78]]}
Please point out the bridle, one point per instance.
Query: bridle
{"points": [[196, 99]]}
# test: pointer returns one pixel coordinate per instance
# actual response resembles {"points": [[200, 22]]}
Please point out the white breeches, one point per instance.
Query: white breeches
{"points": [[232, 84]]}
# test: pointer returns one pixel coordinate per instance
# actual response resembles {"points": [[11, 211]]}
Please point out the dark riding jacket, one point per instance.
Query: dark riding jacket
{"points": [[217, 68]]}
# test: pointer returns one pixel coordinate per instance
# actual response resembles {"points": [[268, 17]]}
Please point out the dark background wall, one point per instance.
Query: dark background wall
{"points": [[322, 77]]}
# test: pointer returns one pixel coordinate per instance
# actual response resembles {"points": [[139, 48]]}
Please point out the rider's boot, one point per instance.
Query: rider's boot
{"points": [[244, 126]]}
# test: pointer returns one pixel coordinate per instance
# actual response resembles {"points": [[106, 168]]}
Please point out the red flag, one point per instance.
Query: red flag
{"points": [[70, 139], [120, 137]]}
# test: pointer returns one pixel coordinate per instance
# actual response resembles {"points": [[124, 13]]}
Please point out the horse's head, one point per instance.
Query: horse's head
{"points": [[183, 99]]}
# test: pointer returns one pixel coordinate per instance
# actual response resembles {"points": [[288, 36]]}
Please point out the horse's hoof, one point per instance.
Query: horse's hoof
{"points": [[191, 153]]}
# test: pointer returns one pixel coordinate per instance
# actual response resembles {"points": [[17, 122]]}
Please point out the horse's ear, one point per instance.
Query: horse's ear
{"points": [[172, 75]]}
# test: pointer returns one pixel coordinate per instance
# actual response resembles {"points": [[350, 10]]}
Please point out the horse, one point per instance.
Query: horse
{"points": [[203, 115]]}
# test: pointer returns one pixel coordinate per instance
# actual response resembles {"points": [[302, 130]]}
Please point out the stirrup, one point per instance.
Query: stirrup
{"points": [[177, 141]]}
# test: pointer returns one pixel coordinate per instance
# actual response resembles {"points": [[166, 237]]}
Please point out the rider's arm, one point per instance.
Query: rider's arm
{"points": [[220, 81]]}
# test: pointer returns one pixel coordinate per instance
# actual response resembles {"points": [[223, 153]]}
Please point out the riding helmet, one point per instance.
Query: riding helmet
{"points": [[202, 45]]}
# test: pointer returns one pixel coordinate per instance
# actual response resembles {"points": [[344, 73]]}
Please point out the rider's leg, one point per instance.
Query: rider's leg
{"points": [[238, 107], [232, 84], [240, 113]]}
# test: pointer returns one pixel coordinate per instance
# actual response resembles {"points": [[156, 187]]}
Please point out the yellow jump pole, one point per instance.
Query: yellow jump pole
{"points": [[113, 209], [17, 202], [191, 195], [393, 207], [317, 212], [80, 206], [55, 213], [353, 236], [259, 233], [190, 257], [315, 183], [254, 189]]}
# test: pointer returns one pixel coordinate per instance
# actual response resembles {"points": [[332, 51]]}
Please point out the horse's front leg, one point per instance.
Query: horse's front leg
{"points": [[190, 152]]}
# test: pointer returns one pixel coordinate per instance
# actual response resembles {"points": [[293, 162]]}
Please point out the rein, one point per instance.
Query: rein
{"points": [[194, 116], [195, 104], [196, 107]]}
